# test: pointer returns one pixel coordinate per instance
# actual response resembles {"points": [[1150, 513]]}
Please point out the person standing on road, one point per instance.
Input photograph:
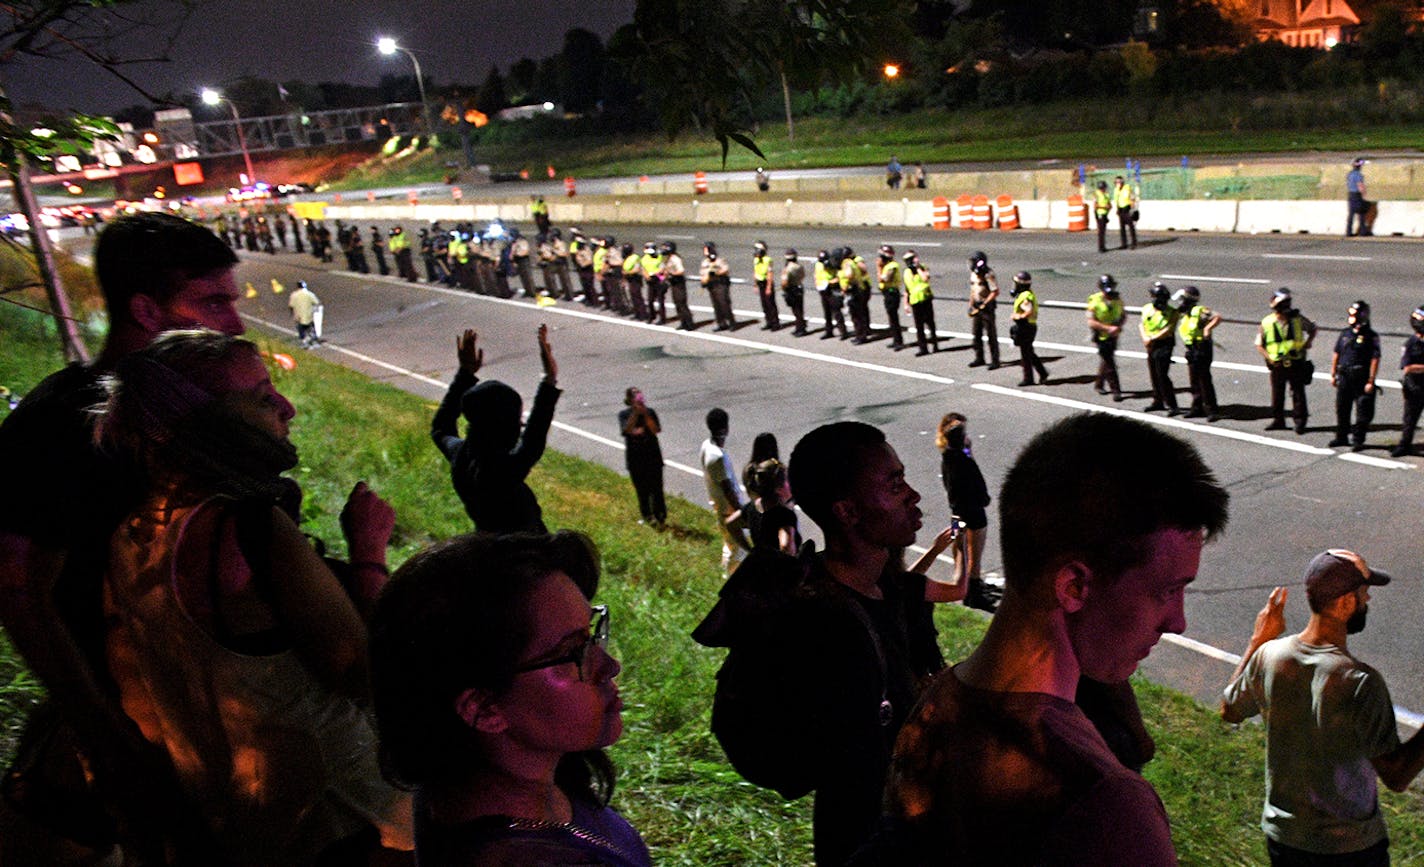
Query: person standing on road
{"points": [[1411, 364], [676, 272], [279, 225], [1158, 328], [656, 279], [539, 213], [304, 304], [968, 500], [1353, 368], [828, 286], [894, 173], [378, 248], [519, 256], [1102, 207], [921, 300], [793, 291], [716, 278], [724, 491], [1125, 203], [1330, 724], [1195, 326], [855, 281], [612, 275], [765, 287], [1105, 317], [892, 283], [1283, 341], [983, 297], [400, 249], [1025, 329], [581, 254], [633, 282], [561, 264], [1355, 193], [640, 428]]}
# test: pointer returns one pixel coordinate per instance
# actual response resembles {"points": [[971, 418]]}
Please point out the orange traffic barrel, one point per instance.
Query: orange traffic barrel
{"points": [[456, 193], [964, 211], [1008, 213], [699, 183], [370, 195], [570, 189], [941, 212], [337, 198], [413, 197], [1077, 214], [983, 216]]}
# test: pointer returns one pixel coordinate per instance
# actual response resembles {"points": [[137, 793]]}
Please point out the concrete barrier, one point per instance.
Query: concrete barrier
{"points": [[487, 212], [869, 213], [919, 213], [816, 213], [1036, 214], [566, 213], [1200, 215], [1291, 217], [1401, 218], [600, 212], [713, 212]]}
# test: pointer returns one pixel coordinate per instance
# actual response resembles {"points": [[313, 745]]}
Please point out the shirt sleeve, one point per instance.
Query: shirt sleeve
{"points": [[1239, 697], [444, 428], [1119, 821], [1378, 731], [536, 429]]}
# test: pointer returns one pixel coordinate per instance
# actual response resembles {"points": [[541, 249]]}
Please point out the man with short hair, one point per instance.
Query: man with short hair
{"points": [[304, 305], [157, 272], [997, 764], [724, 491], [1330, 726]]}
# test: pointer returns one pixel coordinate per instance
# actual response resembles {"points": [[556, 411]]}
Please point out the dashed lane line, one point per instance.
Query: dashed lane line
{"points": [[1203, 279], [1321, 258]]}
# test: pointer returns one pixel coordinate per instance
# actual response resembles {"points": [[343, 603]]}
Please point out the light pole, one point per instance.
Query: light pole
{"points": [[386, 45], [212, 97]]}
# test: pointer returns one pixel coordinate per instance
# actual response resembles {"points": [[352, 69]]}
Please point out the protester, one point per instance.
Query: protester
{"points": [[232, 645], [640, 428], [997, 765], [771, 522], [489, 466], [968, 501], [724, 494], [495, 697], [304, 306]]}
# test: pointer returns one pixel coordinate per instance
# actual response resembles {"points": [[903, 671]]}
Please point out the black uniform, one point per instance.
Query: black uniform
{"points": [[1413, 392], [1357, 347]]}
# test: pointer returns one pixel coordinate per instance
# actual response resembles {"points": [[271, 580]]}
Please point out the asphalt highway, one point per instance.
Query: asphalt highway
{"points": [[1291, 496]]}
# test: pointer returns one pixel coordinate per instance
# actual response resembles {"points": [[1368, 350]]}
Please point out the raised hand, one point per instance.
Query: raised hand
{"points": [[546, 354], [472, 358]]}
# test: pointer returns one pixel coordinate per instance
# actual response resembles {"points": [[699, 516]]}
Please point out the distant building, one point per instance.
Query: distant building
{"points": [[1305, 23]]}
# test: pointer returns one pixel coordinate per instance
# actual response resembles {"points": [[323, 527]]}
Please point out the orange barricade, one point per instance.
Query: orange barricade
{"points": [[413, 197], [983, 216], [570, 189], [699, 183], [1008, 213], [1077, 214], [456, 193], [370, 195], [337, 198], [964, 211], [941, 212]]}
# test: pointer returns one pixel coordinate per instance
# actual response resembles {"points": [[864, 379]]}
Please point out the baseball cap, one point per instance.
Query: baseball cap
{"points": [[1335, 572]]}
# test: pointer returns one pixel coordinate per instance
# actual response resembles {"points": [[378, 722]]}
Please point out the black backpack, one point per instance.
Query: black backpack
{"points": [[764, 713]]}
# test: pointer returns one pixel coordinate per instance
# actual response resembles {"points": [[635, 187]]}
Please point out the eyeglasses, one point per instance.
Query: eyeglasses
{"points": [[597, 637]]}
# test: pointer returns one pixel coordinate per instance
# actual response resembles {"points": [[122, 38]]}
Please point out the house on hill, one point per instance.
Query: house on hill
{"points": [[1305, 23]]}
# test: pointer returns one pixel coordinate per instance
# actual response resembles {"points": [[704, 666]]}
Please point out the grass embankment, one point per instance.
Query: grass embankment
{"points": [[675, 785], [1069, 130]]}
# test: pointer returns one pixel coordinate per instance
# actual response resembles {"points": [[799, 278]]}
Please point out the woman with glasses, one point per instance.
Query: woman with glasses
{"points": [[494, 698]]}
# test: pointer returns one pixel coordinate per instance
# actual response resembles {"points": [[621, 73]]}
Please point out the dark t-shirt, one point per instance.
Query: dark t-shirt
{"points": [[642, 449], [765, 526], [964, 484], [983, 777], [597, 836], [1357, 348]]}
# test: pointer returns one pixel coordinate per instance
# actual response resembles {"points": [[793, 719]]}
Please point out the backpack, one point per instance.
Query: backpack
{"points": [[764, 710]]}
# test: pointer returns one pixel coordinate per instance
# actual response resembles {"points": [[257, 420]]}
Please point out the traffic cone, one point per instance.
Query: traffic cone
{"points": [[251, 290], [277, 288]]}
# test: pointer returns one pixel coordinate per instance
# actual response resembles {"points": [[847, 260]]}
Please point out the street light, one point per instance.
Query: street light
{"points": [[212, 97], [387, 46]]}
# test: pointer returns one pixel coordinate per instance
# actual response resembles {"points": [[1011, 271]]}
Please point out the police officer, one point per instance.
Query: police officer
{"points": [[766, 290], [378, 247], [427, 255], [633, 282], [793, 291], [653, 279], [1105, 317], [1195, 326], [400, 249], [1353, 368], [1411, 363], [1125, 202], [891, 291], [676, 273], [828, 286], [921, 299], [1025, 328], [1158, 328], [519, 256], [716, 279], [983, 297], [1283, 341], [581, 252], [855, 283], [1102, 207], [614, 298], [560, 264]]}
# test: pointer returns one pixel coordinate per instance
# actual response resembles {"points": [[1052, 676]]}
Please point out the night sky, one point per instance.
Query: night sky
{"points": [[323, 40]]}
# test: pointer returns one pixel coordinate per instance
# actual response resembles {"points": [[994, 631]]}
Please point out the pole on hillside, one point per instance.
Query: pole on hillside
{"points": [[786, 98], [69, 338]]}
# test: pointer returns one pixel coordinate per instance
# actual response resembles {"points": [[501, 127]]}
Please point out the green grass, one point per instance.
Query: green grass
{"points": [[1070, 130], [675, 785]]}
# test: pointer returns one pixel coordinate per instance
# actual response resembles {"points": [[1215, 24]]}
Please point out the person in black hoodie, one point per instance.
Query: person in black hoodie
{"points": [[489, 466], [968, 499]]}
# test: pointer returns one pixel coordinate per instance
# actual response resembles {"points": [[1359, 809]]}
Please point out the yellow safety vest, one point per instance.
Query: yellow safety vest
{"points": [[1122, 196], [600, 257], [890, 277], [652, 264], [1032, 303], [823, 276], [1102, 202], [1155, 320], [459, 250], [1286, 342], [1105, 310], [917, 285], [399, 242], [761, 268], [1192, 327], [631, 265]]}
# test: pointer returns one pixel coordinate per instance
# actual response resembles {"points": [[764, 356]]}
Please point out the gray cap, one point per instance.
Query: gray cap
{"points": [[1338, 571]]}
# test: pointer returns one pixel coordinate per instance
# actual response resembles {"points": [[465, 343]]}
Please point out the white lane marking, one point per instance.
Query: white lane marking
{"points": [[1371, 461], [1411, 718], [1322, 258], [909, 244], [1214, 279], [680, 237]]}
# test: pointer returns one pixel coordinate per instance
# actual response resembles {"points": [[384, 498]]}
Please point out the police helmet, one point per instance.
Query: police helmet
{"points": [[610, 241], [1102, 185], [1022, 281], [650, 246], [627, 249], [822, 256], [1159, 293], [911, 256], [791, 254], [397, 230], [759, 247], [576, 231], [887, 251], [1281, 299], [1107, 284], [1357, 162], [978, 261], [1416, 319], [849, 253], [1359, 313], [554, 232], [1186, 298], [669, 247], [710, 248]]}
